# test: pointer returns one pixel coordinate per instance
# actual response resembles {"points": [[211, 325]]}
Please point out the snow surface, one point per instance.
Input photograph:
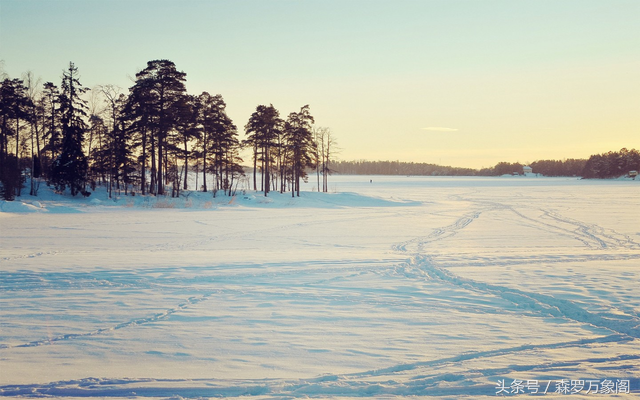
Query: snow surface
{"points": [[403, 286]]}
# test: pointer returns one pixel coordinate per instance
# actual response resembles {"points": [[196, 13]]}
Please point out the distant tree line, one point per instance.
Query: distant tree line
{"points": [[606, 165], [612, 164], [147, 140], [568, 167], [364, 167]]}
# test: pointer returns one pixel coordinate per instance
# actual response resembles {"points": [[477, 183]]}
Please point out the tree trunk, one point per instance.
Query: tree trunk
{"points": [[3, 147], [204, 171], [186, 165], [19, 185], [197, 171], [154, 172], [33, 162], [159, 179], [265, 171], [255, 165], [143, 178]]}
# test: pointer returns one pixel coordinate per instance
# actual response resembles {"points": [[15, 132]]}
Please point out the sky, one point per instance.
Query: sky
{"points": [[467, 83]]}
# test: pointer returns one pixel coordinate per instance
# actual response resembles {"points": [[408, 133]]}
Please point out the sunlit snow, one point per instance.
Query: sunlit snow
{"points": [[387, 286]]}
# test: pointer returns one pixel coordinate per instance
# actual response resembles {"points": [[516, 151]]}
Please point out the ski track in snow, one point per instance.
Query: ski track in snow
{"points": [[592, 235], [402, 379], [146, 278], [625, 328], [626, 325], [439, 233], [134, 322], [480, 261], [543, 304], [604, 238], [382, 382]]}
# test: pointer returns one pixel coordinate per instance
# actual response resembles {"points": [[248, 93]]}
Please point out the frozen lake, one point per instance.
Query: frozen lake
{"points": [[385, 287]]}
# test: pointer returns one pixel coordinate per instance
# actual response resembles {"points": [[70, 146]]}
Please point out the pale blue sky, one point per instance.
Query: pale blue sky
{"points": [[512, 80]]}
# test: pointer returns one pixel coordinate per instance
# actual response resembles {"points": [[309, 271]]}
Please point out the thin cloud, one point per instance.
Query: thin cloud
{"points": [[439, 129]]}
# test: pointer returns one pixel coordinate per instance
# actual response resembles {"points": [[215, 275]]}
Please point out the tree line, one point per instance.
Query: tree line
{"points": [[364, 167], [612, 164], [606, 165], [146, 140]]}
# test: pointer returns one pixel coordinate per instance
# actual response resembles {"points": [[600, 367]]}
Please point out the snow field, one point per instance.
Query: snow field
{"points": [[402, 287]]}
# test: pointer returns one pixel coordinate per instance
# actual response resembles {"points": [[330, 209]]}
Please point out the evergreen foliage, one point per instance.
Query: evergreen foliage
{"points": [[159, 92], [50, 121], [263, 130], [69, 169], [218, 143], [300, 142], [612, 164], [11, 178], [569, 167], [14, 108]]}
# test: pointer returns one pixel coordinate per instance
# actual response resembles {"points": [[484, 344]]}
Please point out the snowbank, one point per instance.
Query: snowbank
{"points": [[50, 202]]}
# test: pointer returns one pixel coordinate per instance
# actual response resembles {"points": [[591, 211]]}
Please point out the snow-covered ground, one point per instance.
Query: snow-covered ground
{"points": [[385, 287]]}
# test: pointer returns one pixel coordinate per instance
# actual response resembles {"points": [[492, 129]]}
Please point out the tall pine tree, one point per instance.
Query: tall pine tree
{"points": [[69, 169], [219, 144], [156, 96], [299, 138], [262, 131], [14, 108]]}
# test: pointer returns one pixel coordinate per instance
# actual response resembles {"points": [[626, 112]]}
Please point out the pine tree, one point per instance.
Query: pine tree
{"points": [[35, 111], [188, 130], [98, 158], [137, 112], [53, 141], [299, 138], [219, 144], [14, 108], [262, 130], [113, 160], [69, 169], [156, 94]]}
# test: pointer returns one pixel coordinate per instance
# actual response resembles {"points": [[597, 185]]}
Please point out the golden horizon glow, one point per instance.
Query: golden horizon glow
{"points": [[463, 83]]}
